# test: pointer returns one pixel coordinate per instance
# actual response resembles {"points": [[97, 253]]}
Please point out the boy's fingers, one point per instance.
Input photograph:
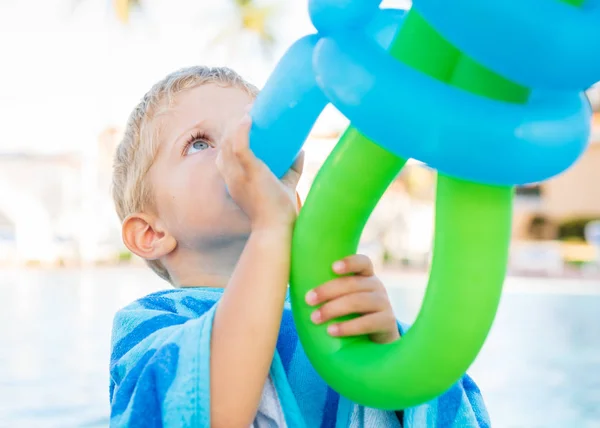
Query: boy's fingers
{"points": [[228, 170], [374, 323], [235, 145], [240, 136], [219, 162], [227, 162], [355, 303], [357, 264], [340, 287], [240, 145]]}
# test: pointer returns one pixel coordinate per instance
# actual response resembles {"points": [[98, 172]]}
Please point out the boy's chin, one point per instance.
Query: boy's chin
{"points": [[222, 241], [234, 223]]}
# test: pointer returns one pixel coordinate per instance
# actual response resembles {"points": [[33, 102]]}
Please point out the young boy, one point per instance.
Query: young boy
{"points": [[220, 348]]}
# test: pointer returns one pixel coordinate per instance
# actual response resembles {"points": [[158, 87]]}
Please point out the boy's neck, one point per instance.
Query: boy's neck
{"points": [[209, 266]]}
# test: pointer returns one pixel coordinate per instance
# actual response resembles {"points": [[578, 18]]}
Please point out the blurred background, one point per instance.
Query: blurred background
{"points": [[71, 70]]}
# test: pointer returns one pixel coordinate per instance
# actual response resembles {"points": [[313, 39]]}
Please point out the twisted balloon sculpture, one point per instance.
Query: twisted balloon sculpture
{"points": [[447, 84]]}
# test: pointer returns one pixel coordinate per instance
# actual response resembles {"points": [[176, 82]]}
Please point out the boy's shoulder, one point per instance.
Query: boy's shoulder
{"points": [[159, 310], [181, 303], [177, 306]]}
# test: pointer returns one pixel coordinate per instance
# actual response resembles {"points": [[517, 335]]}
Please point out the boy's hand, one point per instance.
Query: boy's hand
{"points": [[361, 293], [267, 201]]}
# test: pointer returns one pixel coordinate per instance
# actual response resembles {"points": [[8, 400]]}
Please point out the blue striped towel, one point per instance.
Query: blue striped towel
{"points": [[159, 375]]}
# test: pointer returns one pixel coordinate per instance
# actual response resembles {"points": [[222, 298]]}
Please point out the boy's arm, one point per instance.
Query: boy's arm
{"points": [[248, 317], [246, 327]]}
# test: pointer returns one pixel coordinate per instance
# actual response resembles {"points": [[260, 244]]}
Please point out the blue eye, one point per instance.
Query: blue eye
{"points": [[197, 146]]}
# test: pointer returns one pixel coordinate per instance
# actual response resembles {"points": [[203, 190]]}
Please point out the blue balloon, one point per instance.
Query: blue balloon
{"points": [[537, 43], [286, 109], [291, 101], [333, 15], [384, 26], [416, 116], [458, 133]]}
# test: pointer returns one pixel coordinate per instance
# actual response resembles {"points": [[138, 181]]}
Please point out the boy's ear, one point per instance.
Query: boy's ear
{"points": [[146, 236]]}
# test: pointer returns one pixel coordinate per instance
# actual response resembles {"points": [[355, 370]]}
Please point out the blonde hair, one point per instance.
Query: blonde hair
{"points": [[136, 151]]}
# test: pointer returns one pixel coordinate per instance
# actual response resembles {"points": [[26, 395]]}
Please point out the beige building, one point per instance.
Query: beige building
{"points": [[575, 194]]}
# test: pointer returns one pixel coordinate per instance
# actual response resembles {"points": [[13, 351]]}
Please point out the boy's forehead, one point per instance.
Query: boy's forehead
{"points": [[207, 106], [184, 112]]}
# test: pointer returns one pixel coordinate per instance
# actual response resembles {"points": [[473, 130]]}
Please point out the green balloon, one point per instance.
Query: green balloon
{"points": [[472, 235]]}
